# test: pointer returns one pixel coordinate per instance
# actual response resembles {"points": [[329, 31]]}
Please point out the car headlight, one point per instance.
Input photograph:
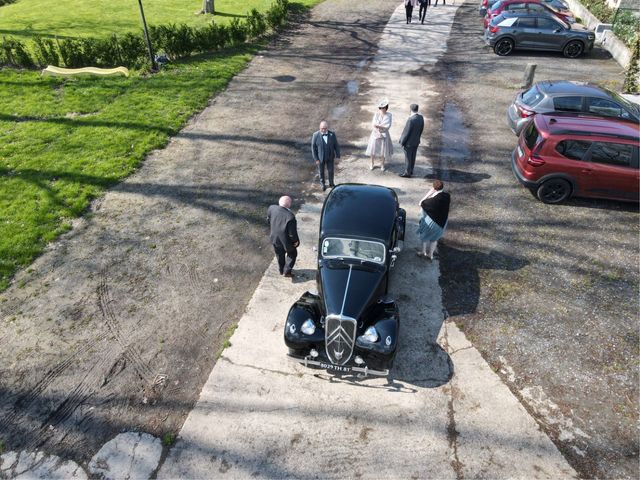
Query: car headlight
{"points": [[308, 327], [370, 335]]}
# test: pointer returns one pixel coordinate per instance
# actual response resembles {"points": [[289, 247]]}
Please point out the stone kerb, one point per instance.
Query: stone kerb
{"points": [[616, 47]]}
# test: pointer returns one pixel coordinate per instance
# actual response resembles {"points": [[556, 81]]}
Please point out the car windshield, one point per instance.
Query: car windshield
{"points": [[350, 248]]}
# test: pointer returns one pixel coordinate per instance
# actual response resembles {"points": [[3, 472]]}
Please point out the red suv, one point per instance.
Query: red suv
{"points": [[560, 155]]}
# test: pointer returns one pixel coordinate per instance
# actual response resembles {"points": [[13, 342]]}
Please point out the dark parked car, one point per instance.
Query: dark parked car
{"points": [[536, 31], [561, 155], [531, 6], [351, 324], [566, 96]]}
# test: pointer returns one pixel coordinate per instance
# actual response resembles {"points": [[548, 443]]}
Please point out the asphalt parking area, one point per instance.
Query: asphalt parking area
{"points": [[547, 293]]}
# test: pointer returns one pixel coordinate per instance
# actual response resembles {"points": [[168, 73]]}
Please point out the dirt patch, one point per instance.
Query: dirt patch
{"points": [[547, 293], [118, 324]]}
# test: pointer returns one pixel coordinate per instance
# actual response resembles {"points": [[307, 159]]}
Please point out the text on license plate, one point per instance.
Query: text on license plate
{"points": [[335, 368]]}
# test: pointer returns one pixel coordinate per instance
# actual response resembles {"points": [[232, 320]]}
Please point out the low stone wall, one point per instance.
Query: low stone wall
{"points": [[610, 42]]}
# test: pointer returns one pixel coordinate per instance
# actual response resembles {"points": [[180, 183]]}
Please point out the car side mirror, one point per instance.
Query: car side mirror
{"points": [[395, 250], [393, 260], [557, 30]]}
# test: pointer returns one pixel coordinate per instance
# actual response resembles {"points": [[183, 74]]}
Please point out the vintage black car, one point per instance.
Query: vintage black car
{"points": [[351, 324]]}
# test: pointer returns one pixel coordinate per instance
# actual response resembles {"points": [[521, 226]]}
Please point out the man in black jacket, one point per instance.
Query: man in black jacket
{"points": [[284, 235], [410, 139], [325, 149]]}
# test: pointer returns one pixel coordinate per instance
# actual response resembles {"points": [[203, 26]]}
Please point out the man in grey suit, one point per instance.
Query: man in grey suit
{"points": [[284, 235], [410, 139], [325, 149]]}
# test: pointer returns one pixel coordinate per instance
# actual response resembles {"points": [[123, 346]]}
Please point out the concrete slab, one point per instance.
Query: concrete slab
{"points": [[130, 455], [442, 413], [31, 465]]}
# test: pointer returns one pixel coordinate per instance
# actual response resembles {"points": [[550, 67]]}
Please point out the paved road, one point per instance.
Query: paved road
{"points": [[443, 413]]}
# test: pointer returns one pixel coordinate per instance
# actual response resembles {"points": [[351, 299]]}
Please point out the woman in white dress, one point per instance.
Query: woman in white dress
{"points": [[380, 142]]}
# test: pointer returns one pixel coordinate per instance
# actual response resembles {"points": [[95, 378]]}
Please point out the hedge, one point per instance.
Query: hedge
{"points": [[129, 50]]}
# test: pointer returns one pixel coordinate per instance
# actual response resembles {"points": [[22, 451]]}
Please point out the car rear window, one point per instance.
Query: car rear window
{"points": [[612, 153], [573, 149], [567, 104], [531, 135], [532, 96]]}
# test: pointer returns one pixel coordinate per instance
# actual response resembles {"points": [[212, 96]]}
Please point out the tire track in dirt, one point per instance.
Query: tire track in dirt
{"points": [[131, 353]]}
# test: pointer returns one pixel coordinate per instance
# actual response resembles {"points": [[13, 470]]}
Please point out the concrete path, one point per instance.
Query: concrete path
{"points": [[443, 413]]}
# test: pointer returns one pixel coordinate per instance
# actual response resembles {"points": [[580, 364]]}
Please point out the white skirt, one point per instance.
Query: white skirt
{"points": [[380, 147]]}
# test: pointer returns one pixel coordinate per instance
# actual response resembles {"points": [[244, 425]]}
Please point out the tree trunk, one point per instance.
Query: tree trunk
{"points": [[208, 6]]}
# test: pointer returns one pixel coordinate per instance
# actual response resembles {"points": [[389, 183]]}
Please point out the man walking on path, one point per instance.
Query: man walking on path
{"points": [[422, 13], [284, 235], [410, 139], [325, 149]]}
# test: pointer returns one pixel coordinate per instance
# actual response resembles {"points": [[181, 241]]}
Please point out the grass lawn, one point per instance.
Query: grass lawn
{"points": [[63, 141], [101, 18]]}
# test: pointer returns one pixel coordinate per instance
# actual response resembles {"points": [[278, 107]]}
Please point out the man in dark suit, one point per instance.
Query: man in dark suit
{"points": [[284, 235], [410, 139], [325, 149]]}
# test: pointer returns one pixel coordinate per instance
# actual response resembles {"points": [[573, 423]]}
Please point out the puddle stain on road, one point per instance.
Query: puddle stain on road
{"points": [[455, 139]]}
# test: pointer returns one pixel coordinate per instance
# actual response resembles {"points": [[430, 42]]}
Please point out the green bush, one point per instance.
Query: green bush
{"points": [[238, 31], [130, 49], [631, 77], [256, 23], [600, 9], [13, 52], [626, 26], [46, 52]]}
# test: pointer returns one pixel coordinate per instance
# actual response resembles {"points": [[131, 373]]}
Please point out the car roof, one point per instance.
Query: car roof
{"points": [[574, 88], [356, 210], [564, 123]]}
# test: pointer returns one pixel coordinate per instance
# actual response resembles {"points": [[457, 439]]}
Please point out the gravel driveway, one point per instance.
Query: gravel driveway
{"points": [[549, 294]]}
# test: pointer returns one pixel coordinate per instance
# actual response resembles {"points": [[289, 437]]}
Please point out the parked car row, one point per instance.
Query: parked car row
{"points": [[576, 139], [534, 25]]}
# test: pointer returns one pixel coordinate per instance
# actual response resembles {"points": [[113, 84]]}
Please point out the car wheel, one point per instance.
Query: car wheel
{"points": [[573, 49], [503, 47], [555, 190]]}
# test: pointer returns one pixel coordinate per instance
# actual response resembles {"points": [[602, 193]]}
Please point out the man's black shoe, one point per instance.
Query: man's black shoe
{"points": [[405, 175], [324, 187], [289, 275], [332, 186]]}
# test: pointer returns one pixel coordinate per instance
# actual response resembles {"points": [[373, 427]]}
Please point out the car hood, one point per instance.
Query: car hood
{"points": [[349, 289]]}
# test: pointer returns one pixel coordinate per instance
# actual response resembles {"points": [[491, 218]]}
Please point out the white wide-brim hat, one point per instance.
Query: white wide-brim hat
{"points": [[383, 102]]}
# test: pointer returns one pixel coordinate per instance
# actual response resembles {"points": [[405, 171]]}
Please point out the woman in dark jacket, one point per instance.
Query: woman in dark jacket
{"points": [[433, 218]]}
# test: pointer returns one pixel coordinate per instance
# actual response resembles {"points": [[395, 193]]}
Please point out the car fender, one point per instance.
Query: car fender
{"points": [[305, 308], [388, 326]]}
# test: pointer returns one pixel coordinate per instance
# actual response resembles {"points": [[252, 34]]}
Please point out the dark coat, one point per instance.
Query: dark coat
{"points": [[437, 208], [322, 152], [412, 131], [283, 227]]}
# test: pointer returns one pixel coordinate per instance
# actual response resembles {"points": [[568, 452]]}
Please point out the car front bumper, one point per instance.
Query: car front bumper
{"points": [[318, 362]]}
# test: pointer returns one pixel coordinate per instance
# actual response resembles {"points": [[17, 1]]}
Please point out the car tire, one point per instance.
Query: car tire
{"points": [[573, 49], [503, 47], [555, 190]]}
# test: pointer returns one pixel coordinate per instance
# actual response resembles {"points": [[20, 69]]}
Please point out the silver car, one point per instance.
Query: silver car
{"points": [[566, 96]]}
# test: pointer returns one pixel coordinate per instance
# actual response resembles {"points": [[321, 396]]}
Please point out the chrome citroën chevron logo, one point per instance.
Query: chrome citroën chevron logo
{"points": [[340, 338]]}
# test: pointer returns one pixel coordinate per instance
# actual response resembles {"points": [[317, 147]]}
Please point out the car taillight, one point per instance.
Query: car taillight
{"points": [[534, 159], [524, 112], [485, 2], [494, 28]]}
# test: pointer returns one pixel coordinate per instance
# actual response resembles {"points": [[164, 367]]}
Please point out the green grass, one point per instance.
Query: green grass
{"points": [[101, 18], [64, 141]]}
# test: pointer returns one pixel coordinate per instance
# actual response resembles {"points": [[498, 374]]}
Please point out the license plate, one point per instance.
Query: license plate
{"points": [[520, 152], [335, 368]]}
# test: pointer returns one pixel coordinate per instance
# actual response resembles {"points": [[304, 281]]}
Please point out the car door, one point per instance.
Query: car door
{"points": [[612, 171], [568, 103], [607, 108], [572, 162], [550, 34], [525, 32]]}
